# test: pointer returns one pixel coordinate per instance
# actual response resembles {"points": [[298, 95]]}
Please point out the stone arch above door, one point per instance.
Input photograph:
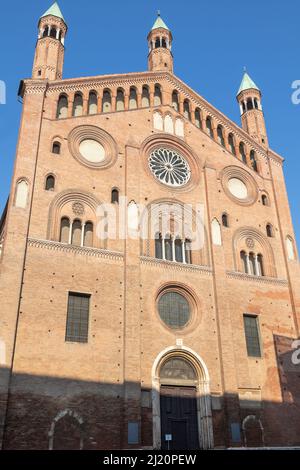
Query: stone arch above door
{"points": [[204, 414]]}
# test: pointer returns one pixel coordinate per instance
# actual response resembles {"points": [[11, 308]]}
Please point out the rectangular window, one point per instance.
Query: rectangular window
{"points": [[252, 335], [78, 318]]}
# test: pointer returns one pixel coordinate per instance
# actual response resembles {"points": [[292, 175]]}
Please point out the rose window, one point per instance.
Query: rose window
{"points": [[169, 167]]}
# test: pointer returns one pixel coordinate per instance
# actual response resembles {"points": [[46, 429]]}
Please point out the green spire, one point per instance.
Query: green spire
{"points": [[247, 84], [159, 23], [54, 10]]}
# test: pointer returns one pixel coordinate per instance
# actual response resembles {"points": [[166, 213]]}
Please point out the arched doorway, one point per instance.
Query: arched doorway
{"points": [[181, 401]]}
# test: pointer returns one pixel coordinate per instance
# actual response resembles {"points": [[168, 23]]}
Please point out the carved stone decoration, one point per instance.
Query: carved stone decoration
{"points": [[78, 208], [250, 243]]}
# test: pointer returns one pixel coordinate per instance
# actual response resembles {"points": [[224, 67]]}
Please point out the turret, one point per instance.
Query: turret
{"points": [[50, 49]]}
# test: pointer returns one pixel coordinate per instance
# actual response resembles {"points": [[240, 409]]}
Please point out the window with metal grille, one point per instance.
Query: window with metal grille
{"points": [[252, 336], [174, 310], [78, 318]]}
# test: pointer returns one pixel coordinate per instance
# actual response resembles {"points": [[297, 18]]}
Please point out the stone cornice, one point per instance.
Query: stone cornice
{"points": [[93, 252], [170, 265], [256, 279]]}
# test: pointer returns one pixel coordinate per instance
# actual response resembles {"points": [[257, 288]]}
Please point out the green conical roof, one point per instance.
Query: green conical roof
{"points": [[54, 10], [159, 23], [247, 84]]}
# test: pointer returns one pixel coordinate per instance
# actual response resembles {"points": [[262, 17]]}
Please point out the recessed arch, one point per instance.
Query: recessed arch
{"points": [[72, 415], [204, 413], [63, 198], [249, 239]]}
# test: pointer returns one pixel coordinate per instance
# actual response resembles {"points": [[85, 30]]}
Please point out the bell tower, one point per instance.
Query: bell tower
{"points": [[50, 49], [160, 38], [253, 121]]}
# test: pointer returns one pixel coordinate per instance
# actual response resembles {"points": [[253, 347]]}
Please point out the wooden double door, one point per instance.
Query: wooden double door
{"points": [[178, 407]]}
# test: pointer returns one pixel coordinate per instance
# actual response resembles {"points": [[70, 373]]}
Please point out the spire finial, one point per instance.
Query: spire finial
{"points": [[158, 12], [245, 69]]}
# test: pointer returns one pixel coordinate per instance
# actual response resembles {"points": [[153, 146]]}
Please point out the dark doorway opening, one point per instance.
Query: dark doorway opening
{"points": [[179, 418]]}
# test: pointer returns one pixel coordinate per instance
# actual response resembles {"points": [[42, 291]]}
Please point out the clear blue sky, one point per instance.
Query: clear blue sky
{"points": [[213, 40]]}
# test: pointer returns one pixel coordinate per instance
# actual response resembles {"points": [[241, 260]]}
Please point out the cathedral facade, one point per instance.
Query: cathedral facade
{"points": [[149, 279]]}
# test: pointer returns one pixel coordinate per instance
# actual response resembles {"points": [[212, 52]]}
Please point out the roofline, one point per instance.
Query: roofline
{"points": [[169, 76]]}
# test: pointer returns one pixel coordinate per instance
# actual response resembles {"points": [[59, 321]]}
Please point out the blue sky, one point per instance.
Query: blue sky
{"points": [[212, 43]]}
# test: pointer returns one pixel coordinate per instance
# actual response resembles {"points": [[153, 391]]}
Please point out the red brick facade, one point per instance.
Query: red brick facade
{"points": [[58, 394]]}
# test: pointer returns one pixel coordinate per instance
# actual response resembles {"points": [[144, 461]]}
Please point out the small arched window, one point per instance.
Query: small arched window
{"points": [[220, 136], [168, 124], [62, 107], [186, 109], [198, 121], [164, 43], [120, 104], [46, 32], [253, 160], [56, 147], [260, 265], [269, 230], [264, 200], [175, 100], [178, 250], [157, 95], [243, 106], [243, 152], [157, 43], [132, 98], [115, 196], [179, 127], [188, 251], [88, 234], [243, 256], [225, 221], [249, 104], [106, 101], [255, 103], [21, 194], [168, 248], [145, 97], [231, 144], [76, 232], [64, 230], [50, 183], [209, 128], [290, 248], [252, 264], [93, 103], [53, 32], [78, 105], [158, 246]]}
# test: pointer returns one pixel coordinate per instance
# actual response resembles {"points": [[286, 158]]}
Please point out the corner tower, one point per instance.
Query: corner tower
{"points": [[160, 47], [50, 49], [253, 121]]}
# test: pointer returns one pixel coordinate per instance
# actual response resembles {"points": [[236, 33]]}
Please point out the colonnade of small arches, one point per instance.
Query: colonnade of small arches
{"points": [[136, 97]]}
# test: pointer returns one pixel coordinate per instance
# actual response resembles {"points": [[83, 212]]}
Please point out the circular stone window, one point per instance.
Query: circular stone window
{"points": [[174, 310], [169, 167], [239, 185], [93, 146], [237, 188], [92, 151]]}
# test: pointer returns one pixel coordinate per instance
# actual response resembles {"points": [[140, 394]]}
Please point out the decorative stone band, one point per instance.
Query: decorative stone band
{"points": [[93, 252], [175, 266], [257, 279]]}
